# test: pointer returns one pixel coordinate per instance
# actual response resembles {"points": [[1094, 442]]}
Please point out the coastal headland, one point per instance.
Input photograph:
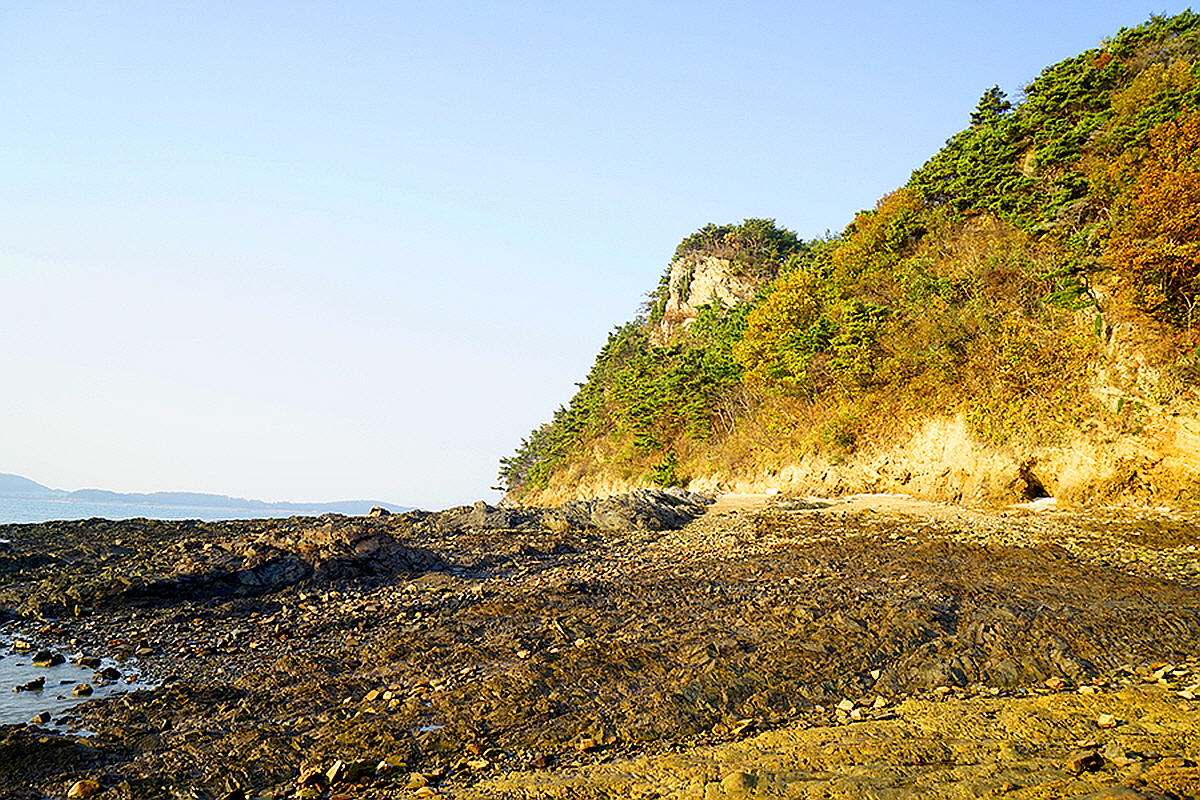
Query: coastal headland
{"points": [[652, 645]]}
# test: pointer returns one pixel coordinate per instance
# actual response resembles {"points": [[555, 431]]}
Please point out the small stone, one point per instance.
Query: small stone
{"points": [[82, 690], [40, 719], [541, 761], [1117, 755], [523, 654], [109, 673], [1158, 670], [1087, 690], [1116, 793], [1055, 683], [846, 705], [1176, 762], [1106, 721], [586, 744], [90, 662], [34, 685], [47, 658], [84, 788], [338, 772], [1085, 761], [478, 764], [743, 728], [736, 783]]}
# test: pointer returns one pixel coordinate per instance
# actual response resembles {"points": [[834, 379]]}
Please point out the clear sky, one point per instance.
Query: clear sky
{"points": [[316, 250]]}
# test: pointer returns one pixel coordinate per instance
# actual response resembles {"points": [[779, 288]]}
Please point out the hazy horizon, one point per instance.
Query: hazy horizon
{"points": [[88, 494]]}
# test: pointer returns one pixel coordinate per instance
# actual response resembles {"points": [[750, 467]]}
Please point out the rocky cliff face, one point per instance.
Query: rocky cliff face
{"points": [[1153, 465], [696, 280]]}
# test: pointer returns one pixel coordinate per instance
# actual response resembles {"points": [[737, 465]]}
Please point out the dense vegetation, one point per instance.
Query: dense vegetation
{"points": [[984, 286]]}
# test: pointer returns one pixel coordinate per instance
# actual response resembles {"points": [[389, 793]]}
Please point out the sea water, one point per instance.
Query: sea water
{"points": [[36, 509], [55, 697]]}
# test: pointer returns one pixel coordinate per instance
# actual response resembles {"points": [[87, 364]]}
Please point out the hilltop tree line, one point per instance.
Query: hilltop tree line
{"points": [[983, 286]]}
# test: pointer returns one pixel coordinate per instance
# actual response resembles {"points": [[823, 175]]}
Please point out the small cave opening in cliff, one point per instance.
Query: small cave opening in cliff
{"points": [[1033, 488]]}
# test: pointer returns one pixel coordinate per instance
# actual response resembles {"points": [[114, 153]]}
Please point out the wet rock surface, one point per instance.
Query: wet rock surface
{"points": [[633, 647]]}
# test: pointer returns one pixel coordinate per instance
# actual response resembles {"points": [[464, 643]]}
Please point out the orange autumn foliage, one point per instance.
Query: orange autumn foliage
{"points": [[1154, 239]]}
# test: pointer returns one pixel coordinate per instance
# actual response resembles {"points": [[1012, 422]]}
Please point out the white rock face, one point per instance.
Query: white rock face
{"points": [[695, 281]]}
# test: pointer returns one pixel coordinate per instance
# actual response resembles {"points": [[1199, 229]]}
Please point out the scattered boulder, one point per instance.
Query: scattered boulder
{"points": [[47, 658]]}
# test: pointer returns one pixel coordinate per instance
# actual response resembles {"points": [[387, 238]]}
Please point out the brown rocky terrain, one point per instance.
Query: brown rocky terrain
{"points": [[635, 647]]}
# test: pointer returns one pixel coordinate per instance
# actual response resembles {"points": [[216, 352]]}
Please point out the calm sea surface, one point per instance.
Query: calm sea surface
{"points": [[29, 509], [16, 669]]}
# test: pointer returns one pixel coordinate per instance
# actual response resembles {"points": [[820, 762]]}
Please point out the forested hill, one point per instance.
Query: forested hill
{"points": [[1021, 318]]}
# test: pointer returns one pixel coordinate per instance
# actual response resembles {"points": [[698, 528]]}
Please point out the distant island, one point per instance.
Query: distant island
{"points": [[18, 486]]}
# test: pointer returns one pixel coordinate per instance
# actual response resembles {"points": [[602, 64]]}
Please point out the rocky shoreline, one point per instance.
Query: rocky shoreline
{"points": [[640, 646]]}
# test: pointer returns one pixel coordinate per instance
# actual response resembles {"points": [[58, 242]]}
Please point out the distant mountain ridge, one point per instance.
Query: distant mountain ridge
{"points": [[18, 486], [23, 487]]}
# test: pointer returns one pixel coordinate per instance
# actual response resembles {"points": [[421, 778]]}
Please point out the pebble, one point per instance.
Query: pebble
{"points": [[1085, 761], [83, 789], [47, 658]]}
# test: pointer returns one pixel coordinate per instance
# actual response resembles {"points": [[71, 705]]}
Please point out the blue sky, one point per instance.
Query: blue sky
{"points": [[307, 251]]}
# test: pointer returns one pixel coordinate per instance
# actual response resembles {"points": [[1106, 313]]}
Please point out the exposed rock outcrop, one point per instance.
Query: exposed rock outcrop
{"points": [[65, 570], [696, 280]]}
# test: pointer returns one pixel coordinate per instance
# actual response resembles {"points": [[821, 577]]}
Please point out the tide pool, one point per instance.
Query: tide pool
{"points": [[55, 697]]}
